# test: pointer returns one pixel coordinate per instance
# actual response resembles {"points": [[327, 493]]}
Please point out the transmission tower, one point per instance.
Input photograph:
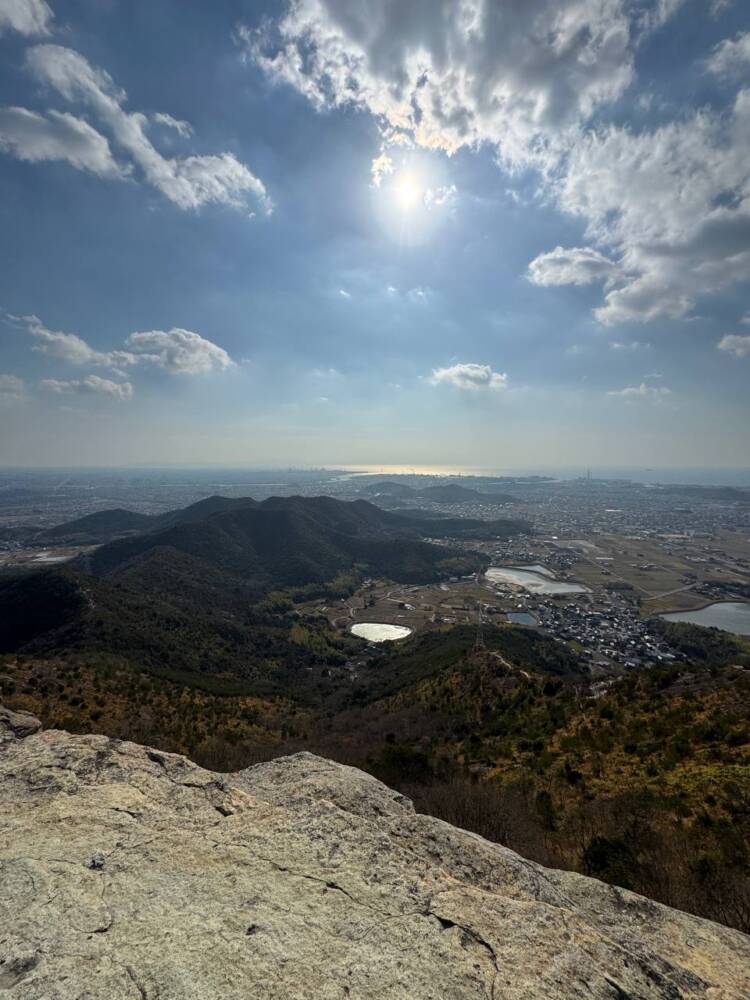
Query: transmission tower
{"points": [[479, 640]]}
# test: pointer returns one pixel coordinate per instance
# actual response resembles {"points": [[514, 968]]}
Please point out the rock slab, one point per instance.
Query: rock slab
{"points": [[130, 873]]}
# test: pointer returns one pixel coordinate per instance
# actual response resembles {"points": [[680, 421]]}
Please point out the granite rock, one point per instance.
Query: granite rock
{"points": [[130, 873]]}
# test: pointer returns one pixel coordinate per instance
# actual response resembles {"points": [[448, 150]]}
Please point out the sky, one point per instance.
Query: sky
{"points": [[375, 232]]}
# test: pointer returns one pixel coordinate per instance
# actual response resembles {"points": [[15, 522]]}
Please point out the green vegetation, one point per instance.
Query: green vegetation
{"points": [[429, 654], [214, 590], [285, 542], [646, 785], [704, 645], [196, 638], [238, 646]]}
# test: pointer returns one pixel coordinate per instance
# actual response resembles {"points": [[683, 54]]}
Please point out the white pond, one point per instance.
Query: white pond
{"points": [[532, 580], [729, 616], [379, 632], [538, 568]]}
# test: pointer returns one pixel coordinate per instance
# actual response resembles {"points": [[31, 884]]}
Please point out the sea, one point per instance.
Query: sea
{"points": [[684, 475]]}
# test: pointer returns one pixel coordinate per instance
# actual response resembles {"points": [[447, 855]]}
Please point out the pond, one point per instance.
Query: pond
{"points": [[532, 580], [729, 616], [520, 618], [538, 568], [379, 631]]}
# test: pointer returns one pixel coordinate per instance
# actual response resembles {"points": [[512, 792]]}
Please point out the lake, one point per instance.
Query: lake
{"points": [[379, 632], [729, 616], [532, 580]]}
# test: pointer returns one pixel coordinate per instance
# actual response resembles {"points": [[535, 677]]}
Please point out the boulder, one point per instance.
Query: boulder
{"points": [[130, 873], [17, 725]]}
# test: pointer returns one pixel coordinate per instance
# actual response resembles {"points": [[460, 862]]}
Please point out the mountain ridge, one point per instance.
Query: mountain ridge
{"points": [[106, 525], [213, 590], [292, 540]]}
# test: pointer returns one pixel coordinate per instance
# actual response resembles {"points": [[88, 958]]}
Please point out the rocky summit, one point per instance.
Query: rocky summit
{"points": [[131, 873]]}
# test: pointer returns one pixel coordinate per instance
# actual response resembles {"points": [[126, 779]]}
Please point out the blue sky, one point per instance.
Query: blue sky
{"points": [[360, 232]]}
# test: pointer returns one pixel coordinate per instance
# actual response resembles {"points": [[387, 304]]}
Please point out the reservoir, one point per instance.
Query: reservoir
{"points": [[378, 632], [520, 618], [533, 580], [538, 568], [729, 616]]}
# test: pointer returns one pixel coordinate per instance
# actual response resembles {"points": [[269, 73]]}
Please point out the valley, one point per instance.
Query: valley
{"points": [[569, 722]]}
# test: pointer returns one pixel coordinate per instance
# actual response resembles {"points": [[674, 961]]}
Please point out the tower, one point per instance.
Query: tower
{"points": [[479, 640]]}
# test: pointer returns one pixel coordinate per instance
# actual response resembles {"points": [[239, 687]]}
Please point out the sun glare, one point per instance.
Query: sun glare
{"points": [[408, 191]]}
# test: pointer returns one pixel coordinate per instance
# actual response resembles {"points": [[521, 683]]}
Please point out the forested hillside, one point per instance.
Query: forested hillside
{"points": [[213, 590], [643, 781]]}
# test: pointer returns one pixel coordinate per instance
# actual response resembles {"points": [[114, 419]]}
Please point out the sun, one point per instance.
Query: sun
{"points": [[408, 190]]}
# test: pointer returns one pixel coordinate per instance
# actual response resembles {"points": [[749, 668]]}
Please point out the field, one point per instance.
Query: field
{"points": [[669, 573], [35, 558], [666, 574], [643, 564], [414, 606]]}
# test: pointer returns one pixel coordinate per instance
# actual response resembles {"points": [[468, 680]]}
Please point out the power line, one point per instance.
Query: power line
{"points": [[479, 640]]}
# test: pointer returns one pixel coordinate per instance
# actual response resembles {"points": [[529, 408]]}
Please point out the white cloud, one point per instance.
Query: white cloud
{"points": [[628, 345], [472, 377], [735, 344], [344, 294], [674, 203], [176, 351], [657, 15], [91, 385], [654, 393], [670, 205], [66, 346], [441, 197], [198, 180], [189, 182], [183, 128], [451, 74], [12, 388], [382, 165], [570, 266], [730, 57], [179, 351], [28, 17], [645, 298], [32, 136], [71, 348]]}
